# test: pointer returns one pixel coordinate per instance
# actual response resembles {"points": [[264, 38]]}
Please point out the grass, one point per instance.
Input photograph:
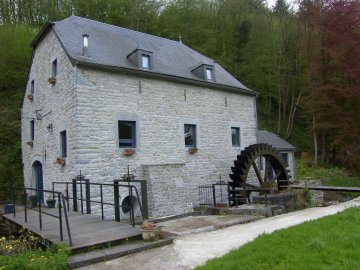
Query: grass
{"points": [[328, 243], [330, 175]]}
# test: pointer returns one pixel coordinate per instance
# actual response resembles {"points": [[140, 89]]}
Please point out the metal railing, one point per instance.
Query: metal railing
{"points": [[37, 204], [210, 193], [80, 184]]}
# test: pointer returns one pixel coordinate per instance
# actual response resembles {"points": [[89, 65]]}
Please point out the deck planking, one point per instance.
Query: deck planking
{"points": [[86, 230]]}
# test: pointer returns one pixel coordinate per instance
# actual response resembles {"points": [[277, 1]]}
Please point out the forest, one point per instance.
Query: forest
{"points": [[304, 63]]}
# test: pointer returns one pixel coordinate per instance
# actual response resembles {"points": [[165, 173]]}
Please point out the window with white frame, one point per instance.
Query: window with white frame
{"points": [[190, 135], [209, 74], [63, 144], [127, 134], [145, 61], [235, 136], [54, 69]]}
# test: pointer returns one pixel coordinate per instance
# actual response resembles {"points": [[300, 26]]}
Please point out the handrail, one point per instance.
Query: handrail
{"points": [[61, 201], [88, 200]]}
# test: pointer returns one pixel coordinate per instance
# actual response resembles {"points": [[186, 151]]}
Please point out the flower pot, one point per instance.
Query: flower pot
{"points": [[30, 97], [148, 235], [51, 203], [192, 150], [60, 161], [9, 208], [52, 80], [128, 152], [30, 143]]}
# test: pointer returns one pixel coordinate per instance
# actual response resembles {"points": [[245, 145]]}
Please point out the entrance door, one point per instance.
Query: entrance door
{"points": [[38, 178]]}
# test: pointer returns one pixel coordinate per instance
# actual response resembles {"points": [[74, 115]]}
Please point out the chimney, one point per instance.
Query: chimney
{"points": [[85, 45]]}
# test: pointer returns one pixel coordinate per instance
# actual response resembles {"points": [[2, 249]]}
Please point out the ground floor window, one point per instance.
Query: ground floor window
{"points": [[127, 133], [190, 135], [285, 158]]}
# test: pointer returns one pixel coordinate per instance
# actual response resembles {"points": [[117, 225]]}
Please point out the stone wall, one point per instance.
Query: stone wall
{"points": [[57, 102], [88, 103]]}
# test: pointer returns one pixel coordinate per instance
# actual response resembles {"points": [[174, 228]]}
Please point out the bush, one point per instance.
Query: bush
{"points": [[54, 258]]}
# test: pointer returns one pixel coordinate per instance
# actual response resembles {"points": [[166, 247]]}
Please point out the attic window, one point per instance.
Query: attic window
{"points": [[145, 61], [209, 75]]}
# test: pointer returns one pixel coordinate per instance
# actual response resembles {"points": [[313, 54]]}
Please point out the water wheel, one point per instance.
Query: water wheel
{"points": [[272, 177]]}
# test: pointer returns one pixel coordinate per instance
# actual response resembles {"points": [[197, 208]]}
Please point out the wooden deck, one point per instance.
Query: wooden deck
{"points": [[86, 230]]}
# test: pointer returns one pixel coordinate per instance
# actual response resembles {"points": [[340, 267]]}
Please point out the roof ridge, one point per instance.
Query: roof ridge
{"points": [[127, 29]]}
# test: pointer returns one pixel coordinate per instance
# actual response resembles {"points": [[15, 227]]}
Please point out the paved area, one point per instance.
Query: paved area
{"points": [[189, 251], [195, 224]]}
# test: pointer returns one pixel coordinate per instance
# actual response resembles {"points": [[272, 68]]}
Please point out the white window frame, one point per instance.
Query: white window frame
{"points": [[143, 61]]}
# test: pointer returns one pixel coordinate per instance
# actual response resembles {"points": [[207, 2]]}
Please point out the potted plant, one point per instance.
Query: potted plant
{"points": [[128, 152], [52, 80], [33, 200], [148, 230], [192, 150], [30, 143], [9, 208], [60, 161], [30, 97], [51, 201]]}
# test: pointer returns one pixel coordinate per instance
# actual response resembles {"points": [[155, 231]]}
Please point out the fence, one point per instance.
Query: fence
{"points": [[213, 194], [36, 205]]}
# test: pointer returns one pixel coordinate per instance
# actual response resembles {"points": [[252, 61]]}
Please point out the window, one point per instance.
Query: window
{"points": [[190, 135], [235, 136], [127, 134], [32, 130], [209, 75], [32, 87], [54, 68], [63, 144], [285, 158], [145, 61]]}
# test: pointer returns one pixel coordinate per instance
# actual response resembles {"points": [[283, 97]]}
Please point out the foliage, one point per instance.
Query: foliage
{"points": [[305, 65], [22, 253], [54, 258], [305, 246], [329, 175]]}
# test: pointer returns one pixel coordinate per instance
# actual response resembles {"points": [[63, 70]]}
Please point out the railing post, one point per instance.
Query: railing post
{"points": [[40, 218], [214, 194], [75, 202], [25, 205], [116, 200], [60, 218], [144, 200], [87, 195], [132, 214]]}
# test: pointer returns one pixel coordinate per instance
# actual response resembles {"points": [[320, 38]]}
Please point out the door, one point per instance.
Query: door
{"points": [[38, 178]]}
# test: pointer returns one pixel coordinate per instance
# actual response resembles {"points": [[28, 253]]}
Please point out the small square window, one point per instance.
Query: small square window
{"points": [[63, 144], [127, 134], [145, 61], [235, 136], [209, 75], [32, 130], [54, 69], [32, 87], [190, 135], [285, 158]]}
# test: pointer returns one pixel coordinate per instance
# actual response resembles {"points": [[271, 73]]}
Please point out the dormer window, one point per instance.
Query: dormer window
{"points": [[209, 75], [142, 59], [145, 61], [205, 71]]}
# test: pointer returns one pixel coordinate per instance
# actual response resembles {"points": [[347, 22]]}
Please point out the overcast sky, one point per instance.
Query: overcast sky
{"points": [[293, 3]]}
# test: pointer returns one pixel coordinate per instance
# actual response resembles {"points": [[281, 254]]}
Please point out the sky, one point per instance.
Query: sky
{"points": [[293, 3]]}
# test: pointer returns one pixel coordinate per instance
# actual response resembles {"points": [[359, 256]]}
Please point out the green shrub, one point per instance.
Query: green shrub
{"points": [[54, 258]]}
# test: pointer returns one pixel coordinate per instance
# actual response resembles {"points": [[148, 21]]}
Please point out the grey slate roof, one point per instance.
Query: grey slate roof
{"points": [[280, 144], [110, 45]]}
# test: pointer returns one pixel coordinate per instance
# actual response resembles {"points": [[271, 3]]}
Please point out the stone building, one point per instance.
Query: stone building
{"points": [[100, 97]]}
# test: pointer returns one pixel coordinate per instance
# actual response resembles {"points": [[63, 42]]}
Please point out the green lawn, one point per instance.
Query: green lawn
{"points": [[332, 242]]}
